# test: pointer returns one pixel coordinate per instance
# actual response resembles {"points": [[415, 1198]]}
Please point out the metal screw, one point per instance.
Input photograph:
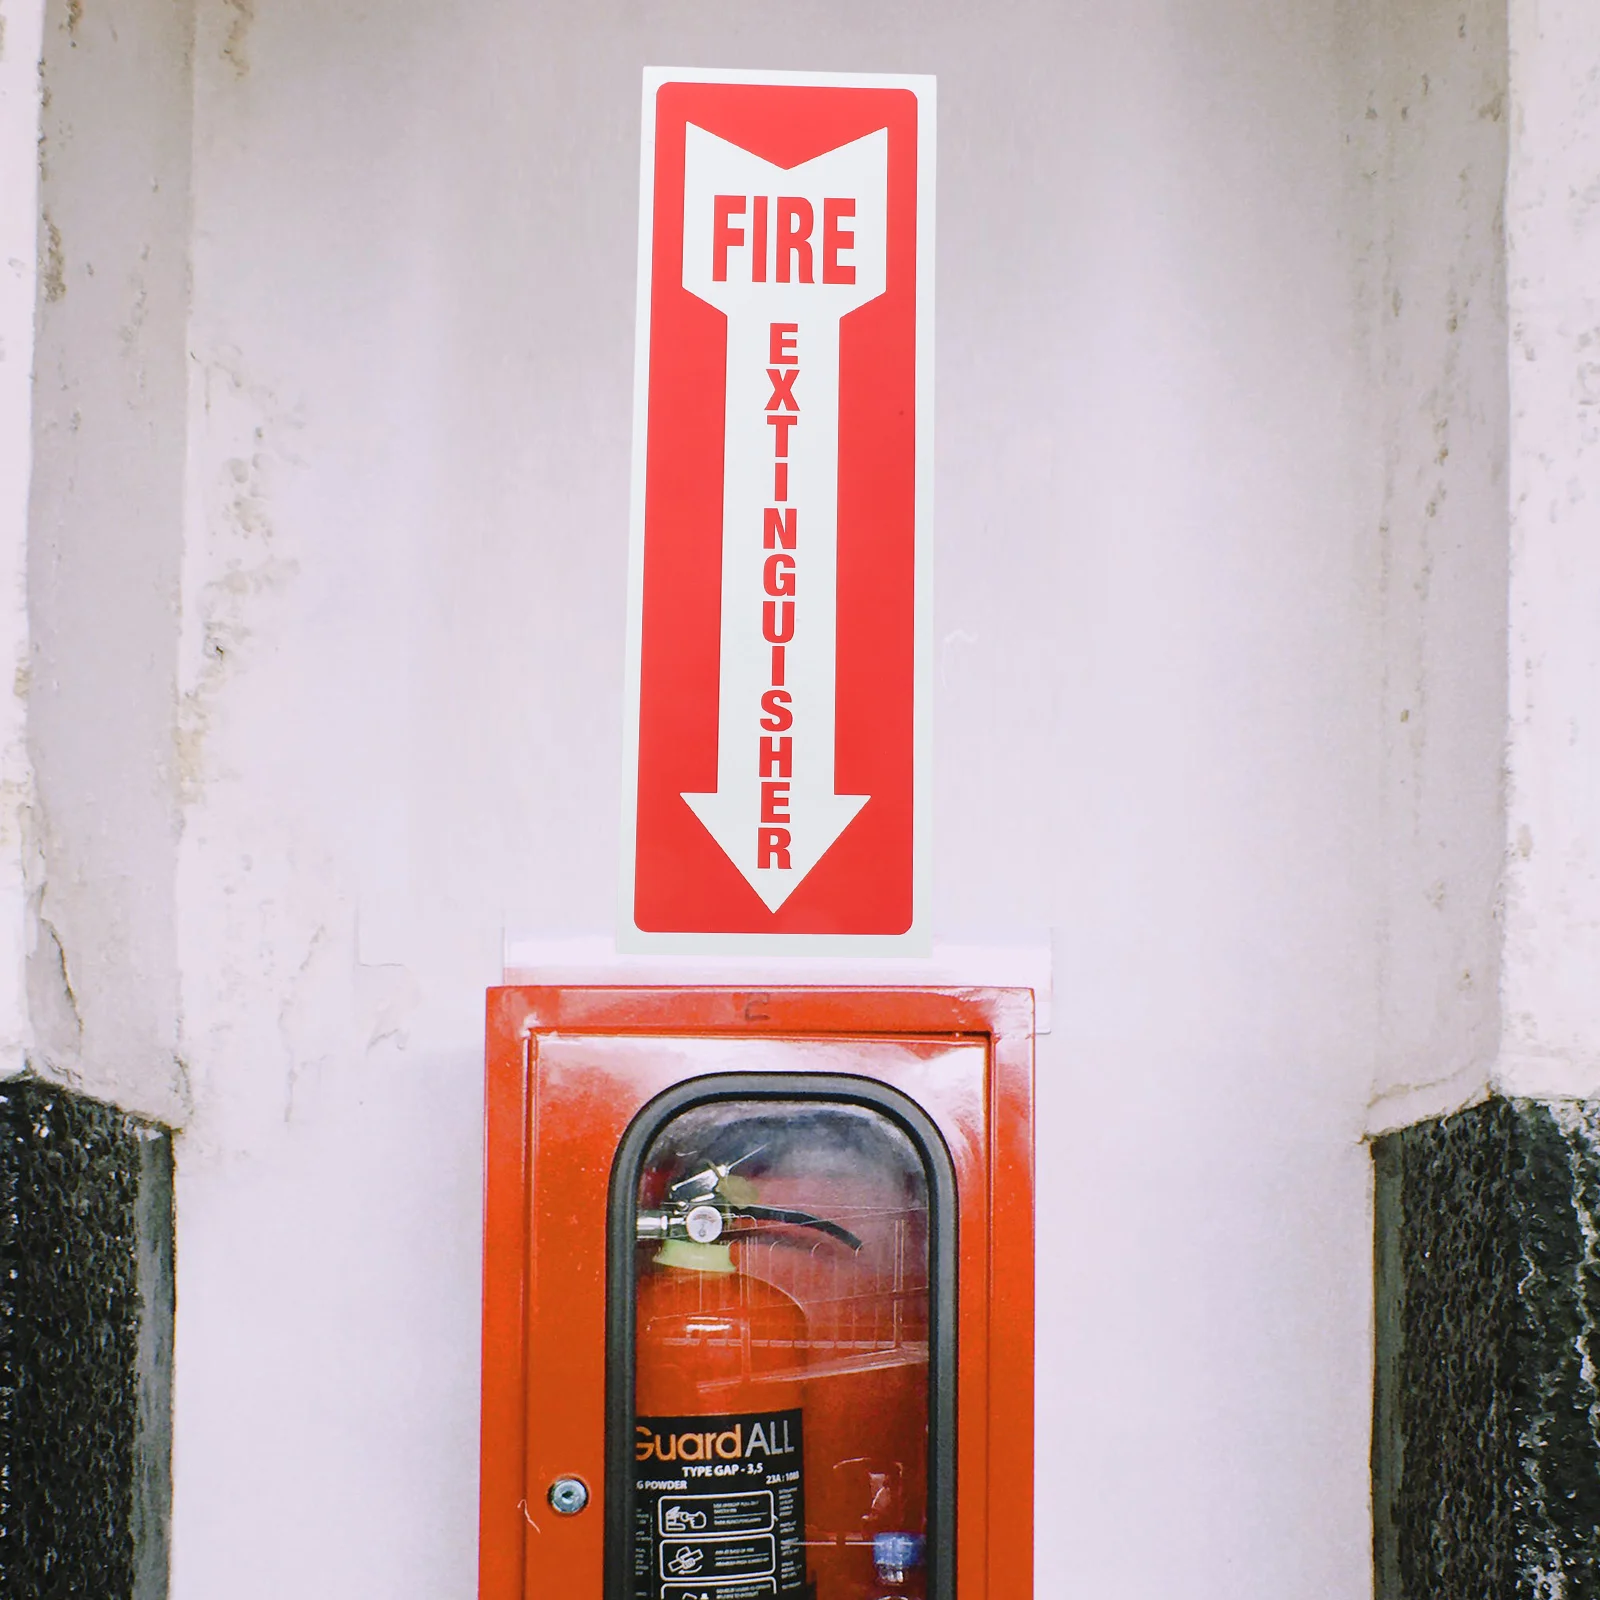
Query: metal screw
{"points": [[569, 1496]]}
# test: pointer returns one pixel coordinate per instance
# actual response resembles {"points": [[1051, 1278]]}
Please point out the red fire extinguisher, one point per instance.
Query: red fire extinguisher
{"points": [[720, 1440]]}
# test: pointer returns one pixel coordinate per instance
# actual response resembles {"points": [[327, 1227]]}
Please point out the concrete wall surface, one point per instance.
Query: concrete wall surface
{"points": [[110, 403], [325, 577], [1552, 944], [1157, 591], [1433, 160], [20, 97]]}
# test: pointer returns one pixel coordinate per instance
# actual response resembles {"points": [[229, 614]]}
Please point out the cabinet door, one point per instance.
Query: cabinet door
{"points": [[875, 1343]]}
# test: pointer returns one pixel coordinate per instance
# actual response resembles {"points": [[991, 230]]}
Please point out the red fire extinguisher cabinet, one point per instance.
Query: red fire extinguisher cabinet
{"points": [[854, 1162]]}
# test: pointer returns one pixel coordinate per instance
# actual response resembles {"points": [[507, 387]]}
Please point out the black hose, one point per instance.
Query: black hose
{"points": [[799, 1219]]}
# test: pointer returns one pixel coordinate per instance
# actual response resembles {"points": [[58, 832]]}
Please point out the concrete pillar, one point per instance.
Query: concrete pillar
{"points": [[1486, 1446], [94, 145], [106, 535], [1551, 1042]]}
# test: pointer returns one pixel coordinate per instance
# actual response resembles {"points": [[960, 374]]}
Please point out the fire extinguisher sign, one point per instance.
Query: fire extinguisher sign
{"points": [[777, 707]]}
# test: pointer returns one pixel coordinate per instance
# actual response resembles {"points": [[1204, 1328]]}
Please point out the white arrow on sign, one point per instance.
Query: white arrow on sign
{"points": [[785, 253]]}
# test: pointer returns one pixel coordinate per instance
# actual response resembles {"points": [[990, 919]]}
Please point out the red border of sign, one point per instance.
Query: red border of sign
{"points": [[868, 894]]}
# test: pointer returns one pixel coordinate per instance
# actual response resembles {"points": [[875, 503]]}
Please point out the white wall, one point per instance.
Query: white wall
{"points": [[1158, 601], [326, 589], [1552, 1000]]}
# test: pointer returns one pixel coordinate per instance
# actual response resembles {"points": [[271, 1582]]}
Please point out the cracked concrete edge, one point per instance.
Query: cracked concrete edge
{"points": [[168, 1112], [1522, 1076], [1511, 1075], [1405, 1104]]}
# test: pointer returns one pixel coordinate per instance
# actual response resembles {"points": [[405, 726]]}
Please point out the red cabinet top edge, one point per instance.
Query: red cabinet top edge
{"points": [[1003, 1014]]}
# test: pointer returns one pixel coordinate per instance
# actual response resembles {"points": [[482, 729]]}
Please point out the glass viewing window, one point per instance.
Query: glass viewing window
{"points": [[782, 1356]]}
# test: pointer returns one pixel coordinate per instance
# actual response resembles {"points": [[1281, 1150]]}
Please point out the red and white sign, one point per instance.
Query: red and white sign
{"points": [[776, 730]]}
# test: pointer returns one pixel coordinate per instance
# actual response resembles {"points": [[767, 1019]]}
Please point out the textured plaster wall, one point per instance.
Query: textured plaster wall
{"points": [[1448, 908], [21, 28], [1158, 606], [106, 532], [1432, 148], [1552, 1002]]}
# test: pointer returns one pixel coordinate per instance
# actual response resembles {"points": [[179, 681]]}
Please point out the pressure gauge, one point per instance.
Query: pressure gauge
{"points": [[703, 1224]]}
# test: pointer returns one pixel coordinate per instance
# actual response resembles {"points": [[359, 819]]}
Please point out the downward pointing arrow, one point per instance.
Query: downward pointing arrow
{"points": [[805, 808], [820, 816], [785, 254]]}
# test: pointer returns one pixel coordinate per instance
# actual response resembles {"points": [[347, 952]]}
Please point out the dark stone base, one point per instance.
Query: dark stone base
{"points": [[1486, 1439], [86, 1306]]}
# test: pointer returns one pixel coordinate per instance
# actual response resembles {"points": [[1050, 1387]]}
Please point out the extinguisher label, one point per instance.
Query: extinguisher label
{"points": [[719, 1507]]}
